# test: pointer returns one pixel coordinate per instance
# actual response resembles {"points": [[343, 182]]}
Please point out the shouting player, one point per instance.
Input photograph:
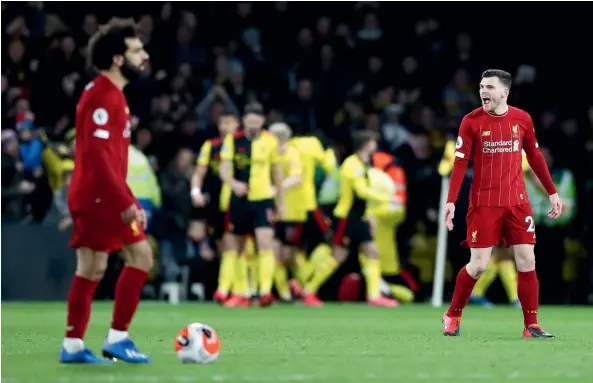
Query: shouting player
{"points": [[248, 160], [105, 213], [499, 212]]}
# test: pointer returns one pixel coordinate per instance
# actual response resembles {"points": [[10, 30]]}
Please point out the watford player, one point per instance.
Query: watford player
{"points": [[388, 177], [289, 229], [210, 199], [249, 161], [317, 231], [351, 223]]}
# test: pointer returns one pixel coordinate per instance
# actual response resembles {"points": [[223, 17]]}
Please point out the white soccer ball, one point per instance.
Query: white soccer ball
{"points": [[197, 343]]}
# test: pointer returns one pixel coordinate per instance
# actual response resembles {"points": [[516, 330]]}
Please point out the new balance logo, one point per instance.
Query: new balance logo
{"points": [[133, 354]]}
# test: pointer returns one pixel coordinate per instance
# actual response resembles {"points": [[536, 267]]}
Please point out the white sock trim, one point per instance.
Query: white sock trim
{"points": [[114, 336], [73, 345]]}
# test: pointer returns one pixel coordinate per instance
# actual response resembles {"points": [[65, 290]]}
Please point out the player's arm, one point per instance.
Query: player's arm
{"points": [[227, 154], [197, 179], [277, 173], [356, 173], [294, 175], [536, 159], [463, 149], [326, 158], [100, 153]]}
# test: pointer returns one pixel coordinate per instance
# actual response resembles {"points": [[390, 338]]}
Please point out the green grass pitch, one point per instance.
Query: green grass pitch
{"points": [[334, 344]]}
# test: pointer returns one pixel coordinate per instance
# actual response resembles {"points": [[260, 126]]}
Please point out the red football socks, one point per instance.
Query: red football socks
{"points": [[80, 299], [528, 291], [464, 286], [127, 296]]}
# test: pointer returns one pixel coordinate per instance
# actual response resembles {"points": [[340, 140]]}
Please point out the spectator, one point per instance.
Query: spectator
{"points": [[14, 185], [30, 146], [172, 227]]}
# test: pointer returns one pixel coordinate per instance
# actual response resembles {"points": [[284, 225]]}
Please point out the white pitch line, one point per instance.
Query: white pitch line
{"points": [[516, 375]]}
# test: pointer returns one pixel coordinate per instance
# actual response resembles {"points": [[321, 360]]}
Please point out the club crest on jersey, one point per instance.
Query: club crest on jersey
{"points": [[459, 143], [100, 116], [515, 129]]}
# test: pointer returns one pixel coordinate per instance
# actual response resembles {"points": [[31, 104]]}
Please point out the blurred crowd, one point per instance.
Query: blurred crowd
{"points": [[320, 68]]}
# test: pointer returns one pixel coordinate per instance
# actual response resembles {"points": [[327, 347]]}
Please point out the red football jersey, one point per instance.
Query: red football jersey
{"points": [[494, 144], [103, 133]]}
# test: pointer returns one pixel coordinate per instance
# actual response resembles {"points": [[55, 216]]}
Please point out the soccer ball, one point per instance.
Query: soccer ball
{"points": [[197, 343]]}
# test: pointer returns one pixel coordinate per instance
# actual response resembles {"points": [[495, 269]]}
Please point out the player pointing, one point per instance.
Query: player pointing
{"points": [[106, 215], [493, 136]]}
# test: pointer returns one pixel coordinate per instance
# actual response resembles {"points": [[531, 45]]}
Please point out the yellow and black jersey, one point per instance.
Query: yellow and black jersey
{"points": [[210, 157], [355, 190], [312, 154], [252, 161]]}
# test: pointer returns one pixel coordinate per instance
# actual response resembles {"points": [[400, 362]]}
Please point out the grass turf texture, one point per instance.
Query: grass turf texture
{"points": [[338, 343]]}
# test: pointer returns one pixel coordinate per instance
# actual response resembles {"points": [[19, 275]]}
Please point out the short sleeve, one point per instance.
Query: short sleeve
{"points": [[353, 169], [227, 152], [204, 156], [274, 151]]}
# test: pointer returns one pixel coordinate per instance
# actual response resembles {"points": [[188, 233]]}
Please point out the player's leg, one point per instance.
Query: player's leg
{"points": [[282, 231], [90, 268], [324, 263], [392, 283], [484, 230], [138, 263], [233, 231], [264, 239], [362, 235], [519, 232], [507, 271], [485, 281]]}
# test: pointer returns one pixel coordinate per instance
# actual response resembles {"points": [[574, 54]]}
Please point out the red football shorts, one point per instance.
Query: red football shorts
{"points": [[103, 231], [493, 226]]}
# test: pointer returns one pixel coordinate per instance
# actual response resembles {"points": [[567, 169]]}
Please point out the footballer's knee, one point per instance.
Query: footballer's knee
{"points": [[479, 261], [524, 257], [91, 264], [264, 238], [139, 255]]}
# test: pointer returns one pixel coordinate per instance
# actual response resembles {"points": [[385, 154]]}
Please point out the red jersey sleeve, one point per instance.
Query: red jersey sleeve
{"points": [[102, 155], [535, 158], [463, 151]]}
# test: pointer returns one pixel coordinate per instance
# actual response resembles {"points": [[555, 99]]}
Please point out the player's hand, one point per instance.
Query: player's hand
{"points": [[130, 214], [142, 219], [556, 206], [199, 200], [449, 215], [240, 188]]}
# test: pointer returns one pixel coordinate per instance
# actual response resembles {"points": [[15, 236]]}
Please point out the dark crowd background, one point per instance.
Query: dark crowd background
{"points": [[406, 70]]}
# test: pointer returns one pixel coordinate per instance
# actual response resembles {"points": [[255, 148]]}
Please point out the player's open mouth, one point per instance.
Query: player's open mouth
{"points": [[486, 100]]}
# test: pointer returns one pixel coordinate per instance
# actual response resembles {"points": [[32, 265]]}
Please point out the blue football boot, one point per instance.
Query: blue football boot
{"points": [[83, 356], [125, 350]]}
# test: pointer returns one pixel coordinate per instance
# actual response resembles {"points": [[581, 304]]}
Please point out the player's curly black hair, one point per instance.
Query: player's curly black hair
{"points": [[109, 41], [505, 77]]}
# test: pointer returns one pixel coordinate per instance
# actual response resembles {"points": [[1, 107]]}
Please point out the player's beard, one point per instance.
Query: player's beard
{"points": [[129, 71]]}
